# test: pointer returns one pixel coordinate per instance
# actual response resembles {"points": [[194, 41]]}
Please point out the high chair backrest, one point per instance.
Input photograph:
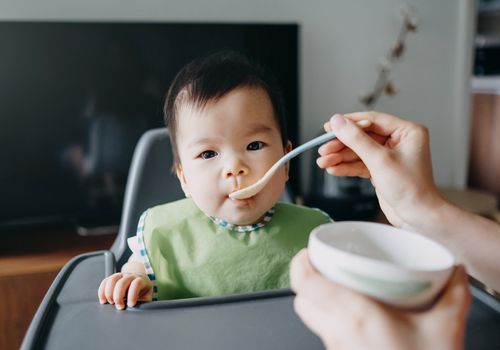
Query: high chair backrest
{"points": [[150, 182]]}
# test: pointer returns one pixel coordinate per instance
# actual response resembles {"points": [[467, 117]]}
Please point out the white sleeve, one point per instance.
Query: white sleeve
{"points": [[133, 245]]}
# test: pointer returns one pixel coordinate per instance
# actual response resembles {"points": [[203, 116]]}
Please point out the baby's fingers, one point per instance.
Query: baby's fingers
{"points": [[120, 290], [139, 288], [100, 292], [110, 286]]}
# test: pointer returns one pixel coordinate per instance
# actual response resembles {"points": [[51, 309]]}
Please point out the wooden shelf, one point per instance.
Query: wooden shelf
{"points": [[29, 261], [26, 253]]}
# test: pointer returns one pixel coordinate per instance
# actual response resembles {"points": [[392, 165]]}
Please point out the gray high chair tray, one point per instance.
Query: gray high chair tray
{"points": [[70, 316], [74, 319]]}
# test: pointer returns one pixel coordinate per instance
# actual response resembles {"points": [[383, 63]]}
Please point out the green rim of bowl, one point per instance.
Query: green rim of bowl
{"points": [[387, 288]]}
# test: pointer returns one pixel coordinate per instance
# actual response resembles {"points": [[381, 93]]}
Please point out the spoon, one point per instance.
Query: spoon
{"points": [[252, 190]]}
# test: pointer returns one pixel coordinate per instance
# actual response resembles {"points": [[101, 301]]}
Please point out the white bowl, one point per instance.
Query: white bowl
{"points": [[392, 265]]}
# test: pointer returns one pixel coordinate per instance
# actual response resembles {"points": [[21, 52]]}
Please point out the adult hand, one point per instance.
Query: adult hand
{"points": [[394, 153], [345, 319]]}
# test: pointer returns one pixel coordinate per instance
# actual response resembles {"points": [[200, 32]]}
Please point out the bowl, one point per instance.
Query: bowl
{"points": [[395, 266]]}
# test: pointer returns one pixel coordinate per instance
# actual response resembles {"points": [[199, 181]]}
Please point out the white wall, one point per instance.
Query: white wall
{"points": [[341, 44]]}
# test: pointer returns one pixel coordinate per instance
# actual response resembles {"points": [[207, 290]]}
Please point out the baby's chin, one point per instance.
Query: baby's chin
{"points": [[244, 214], [241, 217]]}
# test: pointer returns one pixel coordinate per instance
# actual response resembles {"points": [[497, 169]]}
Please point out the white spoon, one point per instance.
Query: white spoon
{"points": [[252, 190]]}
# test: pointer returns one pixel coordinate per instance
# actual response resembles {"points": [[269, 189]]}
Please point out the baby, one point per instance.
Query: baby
{"points": [[227, 127]]}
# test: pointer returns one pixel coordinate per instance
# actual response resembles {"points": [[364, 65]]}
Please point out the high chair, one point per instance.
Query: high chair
{"points": [[70, 316]]}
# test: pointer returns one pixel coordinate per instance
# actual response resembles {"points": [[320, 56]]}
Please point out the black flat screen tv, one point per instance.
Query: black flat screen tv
{"points": [[76, 96]]}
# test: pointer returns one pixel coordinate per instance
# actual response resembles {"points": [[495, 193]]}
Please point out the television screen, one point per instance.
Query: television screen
{"points": [[75, 98]]}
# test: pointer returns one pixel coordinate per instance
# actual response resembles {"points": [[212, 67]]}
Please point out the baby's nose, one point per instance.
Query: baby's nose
{"points": [[236, 170]]}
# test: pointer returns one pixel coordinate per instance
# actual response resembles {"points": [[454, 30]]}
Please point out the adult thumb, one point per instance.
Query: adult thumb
{"points": [[355, 138]]}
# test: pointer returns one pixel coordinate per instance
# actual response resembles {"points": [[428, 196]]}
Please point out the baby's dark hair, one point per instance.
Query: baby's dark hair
{"points": [[210, 78]]}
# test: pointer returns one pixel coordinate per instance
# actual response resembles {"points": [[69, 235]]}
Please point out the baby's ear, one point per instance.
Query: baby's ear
{"points": [[287, 149], [182, 180]]}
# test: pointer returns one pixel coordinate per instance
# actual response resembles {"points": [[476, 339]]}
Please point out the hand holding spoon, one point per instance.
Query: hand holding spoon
{"points": [[259, 185]]}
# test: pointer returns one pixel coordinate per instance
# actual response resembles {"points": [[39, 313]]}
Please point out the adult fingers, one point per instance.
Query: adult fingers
{"points": [[382, 123], [300, 268], [306, 281], [456, 298], [310, 284], [327, 307], [332, 146], [332, 159], [358, 169], [317, 319], [336, 145], [355, 138], [446, 321]]}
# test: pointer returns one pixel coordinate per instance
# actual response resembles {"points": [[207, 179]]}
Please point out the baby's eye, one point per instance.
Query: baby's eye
{"points": [[254, 146], [208, 154]]}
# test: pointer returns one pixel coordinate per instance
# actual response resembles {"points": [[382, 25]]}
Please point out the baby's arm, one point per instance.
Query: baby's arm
{"points": [[132, 283]]}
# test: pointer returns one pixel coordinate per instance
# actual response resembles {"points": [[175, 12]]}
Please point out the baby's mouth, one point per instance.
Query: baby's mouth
{"points": [[240, 202], [238, 185]]}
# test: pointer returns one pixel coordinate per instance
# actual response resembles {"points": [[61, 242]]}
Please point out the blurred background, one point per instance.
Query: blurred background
{"points": [[81, 80]]}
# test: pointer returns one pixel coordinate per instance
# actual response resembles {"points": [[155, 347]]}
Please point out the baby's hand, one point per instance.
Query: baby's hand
{"points": [[134, 287]]}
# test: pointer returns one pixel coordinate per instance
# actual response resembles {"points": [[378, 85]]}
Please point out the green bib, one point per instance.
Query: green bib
{"points": [[192, 256]]}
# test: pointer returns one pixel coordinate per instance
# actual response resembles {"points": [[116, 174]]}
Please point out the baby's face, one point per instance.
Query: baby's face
{"points": [[226, 146]]}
